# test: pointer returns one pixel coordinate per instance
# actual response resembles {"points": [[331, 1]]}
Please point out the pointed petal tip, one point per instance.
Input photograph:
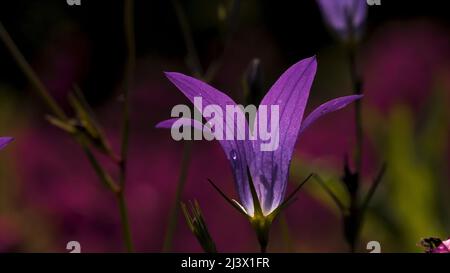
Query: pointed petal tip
{"points": [[311, 63], [169, 74], [312, 59], [165, 124], [159, 125], [308, 64], [4, 141], [173, 75], [356, 97], [309, 60]]}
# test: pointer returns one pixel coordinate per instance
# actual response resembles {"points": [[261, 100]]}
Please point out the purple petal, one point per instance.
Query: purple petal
{"points": [[238, 152], [338, 12], [270, 170], [328, 107], [4, 141], [181, 122]]}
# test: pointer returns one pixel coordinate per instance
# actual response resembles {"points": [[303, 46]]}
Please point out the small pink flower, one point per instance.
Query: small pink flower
{"points": [[444, 247]]}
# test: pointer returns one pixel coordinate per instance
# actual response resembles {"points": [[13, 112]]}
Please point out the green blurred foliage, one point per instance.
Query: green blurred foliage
{"points": [[412, 200], [32, 231], [416, 185]]}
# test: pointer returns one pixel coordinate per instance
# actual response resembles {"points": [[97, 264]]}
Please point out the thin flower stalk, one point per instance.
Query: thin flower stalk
{"points": [[195, 67], [83, 129]]}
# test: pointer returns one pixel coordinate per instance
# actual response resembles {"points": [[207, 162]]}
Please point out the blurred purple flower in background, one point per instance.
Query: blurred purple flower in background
{"points": [[5, 141], [269, 169], [345, 17]]}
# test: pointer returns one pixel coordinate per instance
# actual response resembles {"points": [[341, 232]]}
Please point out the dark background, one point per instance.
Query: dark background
{"points": [[49, 194]]}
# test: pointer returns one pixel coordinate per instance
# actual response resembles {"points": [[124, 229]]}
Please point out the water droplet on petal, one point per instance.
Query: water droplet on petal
{"points": [[233, 155]]}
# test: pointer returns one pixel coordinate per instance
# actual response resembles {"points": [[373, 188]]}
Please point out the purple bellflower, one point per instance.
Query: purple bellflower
{"points": [[261, 176], [4, 141], [345, 17]]}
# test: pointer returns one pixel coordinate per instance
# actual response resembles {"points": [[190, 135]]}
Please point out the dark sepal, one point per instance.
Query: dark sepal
{"points": [[230, 201], [290, 199]]}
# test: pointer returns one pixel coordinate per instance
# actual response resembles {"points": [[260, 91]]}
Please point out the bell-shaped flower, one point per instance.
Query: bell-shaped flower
{"points": [[261, 175], [345, 17]]}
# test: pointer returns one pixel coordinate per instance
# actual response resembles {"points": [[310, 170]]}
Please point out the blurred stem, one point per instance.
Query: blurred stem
{"points": [[231, 21], [127, 85], [30, 74], [373, 188], [101, 173], [333, 196], [193, 62], [119, 192], [173, 216], [125, 221], [354, 213], [49, 101], [357, 87], [286, 234], [194, 65], [128, 21]]}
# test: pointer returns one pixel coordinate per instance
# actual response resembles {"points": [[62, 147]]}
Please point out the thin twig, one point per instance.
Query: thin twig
{"points": [[373, 188], [330, 193], [194, 64], [173, 215], [128, 79], [31, 74], [232, 22], [127, 86], [193, 59], [357, 86], [49, 101]]}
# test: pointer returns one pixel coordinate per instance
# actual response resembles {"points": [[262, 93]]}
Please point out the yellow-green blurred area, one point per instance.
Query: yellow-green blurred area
{"points": [[49, 194]]}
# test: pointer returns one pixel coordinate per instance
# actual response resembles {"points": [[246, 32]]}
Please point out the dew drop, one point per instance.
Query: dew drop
{"points": [[233, 155], [233, 159]]}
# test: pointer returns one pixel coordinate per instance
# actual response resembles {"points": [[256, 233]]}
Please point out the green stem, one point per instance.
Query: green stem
{"points": [[128, 79], [193, 62], [128, 21], [101, 173], [173, 216], [30, 74], [193, 59], [357, 86], [44, 94], [286, 234], [231, 25], [354, 209], [125, 221]]}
